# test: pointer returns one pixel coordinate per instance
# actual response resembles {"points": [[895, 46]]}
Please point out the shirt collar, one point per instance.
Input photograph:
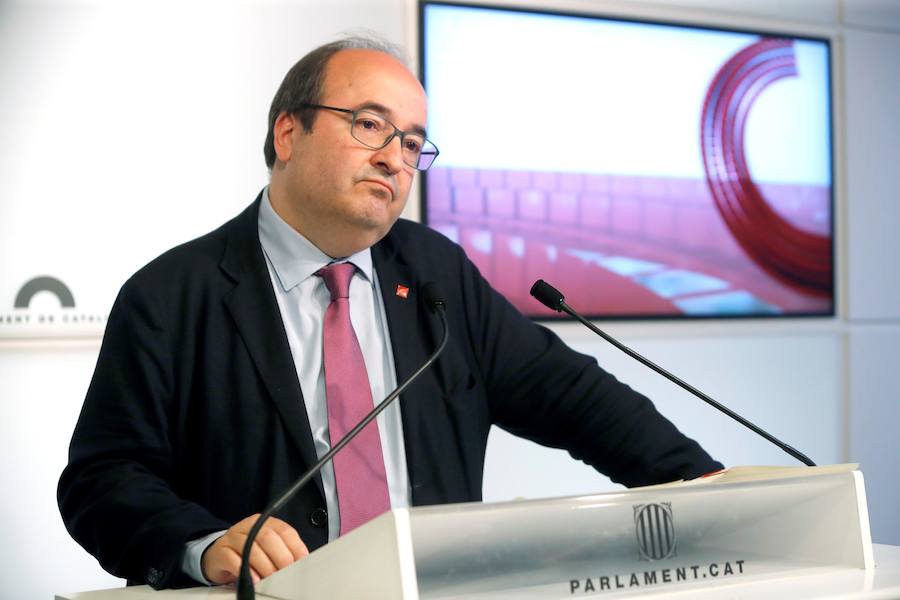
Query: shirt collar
{"points": [[293, 257]]}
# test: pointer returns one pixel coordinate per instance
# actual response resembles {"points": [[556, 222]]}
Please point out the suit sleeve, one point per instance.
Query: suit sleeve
{"points": [[542, 390], [116, 495]]}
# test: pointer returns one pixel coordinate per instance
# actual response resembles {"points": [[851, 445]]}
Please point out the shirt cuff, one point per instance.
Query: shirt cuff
{"points": [[193, 553]]}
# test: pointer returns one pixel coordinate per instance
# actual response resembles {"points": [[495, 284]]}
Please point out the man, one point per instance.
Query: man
{"points": [[216, 381]]}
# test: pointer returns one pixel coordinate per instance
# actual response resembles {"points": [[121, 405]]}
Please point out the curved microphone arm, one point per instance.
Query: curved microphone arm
{"points": [[551, 297], [245, 589]]}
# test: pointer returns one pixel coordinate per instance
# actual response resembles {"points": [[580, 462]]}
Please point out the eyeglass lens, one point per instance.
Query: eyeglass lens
{"points": [[375, 131]]}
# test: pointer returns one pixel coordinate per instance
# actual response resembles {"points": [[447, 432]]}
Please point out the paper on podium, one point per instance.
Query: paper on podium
{"points": [[756, 473], [747, 522]]}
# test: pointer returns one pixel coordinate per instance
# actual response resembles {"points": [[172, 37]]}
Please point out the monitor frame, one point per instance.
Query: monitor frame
{"points": [[690, 24]]}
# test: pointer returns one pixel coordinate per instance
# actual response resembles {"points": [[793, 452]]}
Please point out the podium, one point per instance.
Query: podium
{"points": [[744, 527]]}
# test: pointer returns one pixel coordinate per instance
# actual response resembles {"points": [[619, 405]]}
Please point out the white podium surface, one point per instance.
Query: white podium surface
{"points": [[747, 532], [881, 582]]}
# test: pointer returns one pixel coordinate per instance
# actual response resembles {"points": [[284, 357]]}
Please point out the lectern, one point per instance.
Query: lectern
{"points": [[749, 523], [757, 528]]}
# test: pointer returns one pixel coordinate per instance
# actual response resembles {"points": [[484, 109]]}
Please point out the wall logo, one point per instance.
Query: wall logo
{"points": [[655, 530], [45, 317], [44, 284]]}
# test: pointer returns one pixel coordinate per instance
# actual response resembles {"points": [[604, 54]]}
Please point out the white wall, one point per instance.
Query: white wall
{"points": [[872, 95], [131, 126]]}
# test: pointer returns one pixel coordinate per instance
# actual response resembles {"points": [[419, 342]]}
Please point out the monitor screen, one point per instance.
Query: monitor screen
{"points": [[647, 170]]}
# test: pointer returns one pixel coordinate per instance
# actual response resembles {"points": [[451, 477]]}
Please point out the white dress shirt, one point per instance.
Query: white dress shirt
{"points": [[302, 297]]}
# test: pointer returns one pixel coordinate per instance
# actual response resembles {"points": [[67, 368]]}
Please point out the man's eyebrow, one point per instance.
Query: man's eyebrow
{"points": [[389, 114]]}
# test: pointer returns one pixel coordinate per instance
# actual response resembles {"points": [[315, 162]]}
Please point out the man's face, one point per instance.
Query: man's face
{"points": [[338, 193]]}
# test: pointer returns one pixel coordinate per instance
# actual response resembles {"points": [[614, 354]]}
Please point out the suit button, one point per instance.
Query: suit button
{"points": [[318, 517]]}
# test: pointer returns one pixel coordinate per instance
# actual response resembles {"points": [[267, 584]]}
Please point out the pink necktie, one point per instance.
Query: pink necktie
{"points": [[359, 468]]}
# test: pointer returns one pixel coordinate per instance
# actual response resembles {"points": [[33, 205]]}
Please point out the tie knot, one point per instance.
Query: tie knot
{"points": [[337, 279]]}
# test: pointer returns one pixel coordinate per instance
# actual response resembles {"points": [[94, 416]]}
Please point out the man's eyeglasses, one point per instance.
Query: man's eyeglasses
{"points": [[374, 131]]}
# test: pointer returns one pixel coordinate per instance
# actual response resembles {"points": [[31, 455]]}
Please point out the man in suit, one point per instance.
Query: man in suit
{"points": [[212, 391]]}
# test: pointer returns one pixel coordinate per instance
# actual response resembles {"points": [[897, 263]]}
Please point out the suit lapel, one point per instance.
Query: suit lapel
{"points": [[413, 338], [402, 316], [255, 312]]}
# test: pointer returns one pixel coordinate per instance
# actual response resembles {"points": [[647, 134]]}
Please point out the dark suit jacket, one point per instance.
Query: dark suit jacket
{"points": [[194, 418]]}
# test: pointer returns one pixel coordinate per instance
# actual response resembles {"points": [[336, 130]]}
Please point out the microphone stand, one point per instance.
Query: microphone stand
{"points": [[245, 590], [552, 298]]}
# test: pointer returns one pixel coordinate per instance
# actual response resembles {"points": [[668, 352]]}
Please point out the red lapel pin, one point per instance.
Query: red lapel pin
{"points": [[402, 291]]}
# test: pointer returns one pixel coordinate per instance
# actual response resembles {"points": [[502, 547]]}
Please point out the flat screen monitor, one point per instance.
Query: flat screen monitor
{"points": [[646, 169]]}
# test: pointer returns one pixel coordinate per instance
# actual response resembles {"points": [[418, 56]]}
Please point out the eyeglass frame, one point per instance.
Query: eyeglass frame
{"points": [[397, 131]]}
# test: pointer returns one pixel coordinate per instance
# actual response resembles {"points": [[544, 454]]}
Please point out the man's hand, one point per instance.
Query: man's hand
{"points": [[277, 546]]}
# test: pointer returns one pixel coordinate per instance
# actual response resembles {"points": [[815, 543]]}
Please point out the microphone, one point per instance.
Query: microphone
{"points": [[434, 299], [552, 298]]}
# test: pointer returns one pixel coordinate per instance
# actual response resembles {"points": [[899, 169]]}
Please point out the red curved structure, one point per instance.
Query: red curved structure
{"points": [[797, 257]]}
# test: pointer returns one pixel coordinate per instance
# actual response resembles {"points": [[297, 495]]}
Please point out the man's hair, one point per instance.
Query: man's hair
{"points": [[303, 83]]}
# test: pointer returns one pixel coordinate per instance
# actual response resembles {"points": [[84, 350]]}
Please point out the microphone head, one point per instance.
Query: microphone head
{"points": [[547, 295], [433, 296]]}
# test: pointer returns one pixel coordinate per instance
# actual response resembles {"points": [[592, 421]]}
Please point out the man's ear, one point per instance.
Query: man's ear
{"points": [[283, 132]]}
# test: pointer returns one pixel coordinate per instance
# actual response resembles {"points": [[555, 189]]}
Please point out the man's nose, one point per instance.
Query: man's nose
{"points": [[390, 158]]}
